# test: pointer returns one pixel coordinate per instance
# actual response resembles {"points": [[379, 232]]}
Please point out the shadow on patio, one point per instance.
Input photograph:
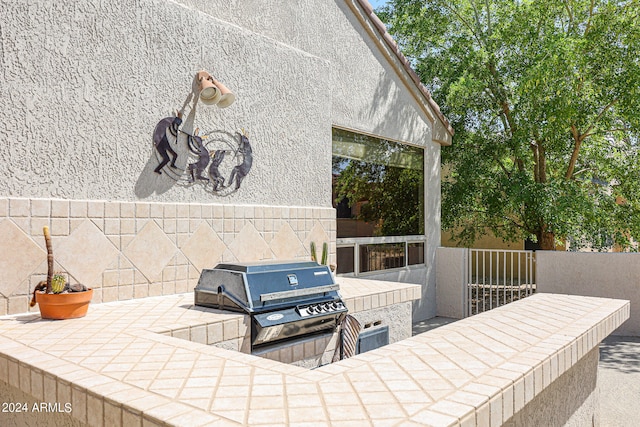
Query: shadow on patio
{"points": [[621, 354]]}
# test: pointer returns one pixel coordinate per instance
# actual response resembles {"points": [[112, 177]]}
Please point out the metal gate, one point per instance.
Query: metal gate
{"points": [[497, 277]]}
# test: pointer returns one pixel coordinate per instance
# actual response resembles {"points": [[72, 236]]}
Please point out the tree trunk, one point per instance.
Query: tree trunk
{"points": [[546, 240]]}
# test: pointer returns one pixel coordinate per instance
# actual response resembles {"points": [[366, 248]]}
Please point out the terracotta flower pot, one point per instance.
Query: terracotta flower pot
{"points": [[64, 306]]}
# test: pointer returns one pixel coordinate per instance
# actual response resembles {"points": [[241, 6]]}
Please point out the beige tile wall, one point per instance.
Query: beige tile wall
{"points": [[126, 250], [235, 334]]}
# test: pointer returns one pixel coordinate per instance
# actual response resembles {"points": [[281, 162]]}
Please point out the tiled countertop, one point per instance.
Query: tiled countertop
{"points": [[116, 370]]}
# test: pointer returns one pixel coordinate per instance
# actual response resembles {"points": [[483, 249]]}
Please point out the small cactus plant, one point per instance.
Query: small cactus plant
{"points": [[47, 241], [58, 283], [325, 253], [57, 299], [324, 259]]}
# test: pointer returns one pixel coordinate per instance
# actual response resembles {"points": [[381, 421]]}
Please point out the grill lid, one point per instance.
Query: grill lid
{"points": [[263, 286]]}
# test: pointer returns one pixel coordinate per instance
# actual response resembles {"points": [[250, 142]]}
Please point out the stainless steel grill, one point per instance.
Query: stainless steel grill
{"points": [[286, 301]]}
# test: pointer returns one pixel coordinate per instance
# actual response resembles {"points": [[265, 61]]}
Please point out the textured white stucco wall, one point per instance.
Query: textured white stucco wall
{"points": [[572, 400], [84, 84], [608, 275], [451, 277], [368, 93]]}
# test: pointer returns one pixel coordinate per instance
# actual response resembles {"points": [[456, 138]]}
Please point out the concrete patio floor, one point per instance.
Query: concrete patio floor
{"points": [[619, 381], [618, 376]]}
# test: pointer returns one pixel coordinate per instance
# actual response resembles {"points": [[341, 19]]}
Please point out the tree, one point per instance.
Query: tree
{"points": [[545, 100]]}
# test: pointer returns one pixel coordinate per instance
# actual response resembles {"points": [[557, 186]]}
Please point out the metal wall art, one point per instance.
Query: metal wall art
{"points": [[185, 156]]}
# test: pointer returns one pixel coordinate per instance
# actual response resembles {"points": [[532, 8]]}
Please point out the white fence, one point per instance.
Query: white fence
{"points": [[606, 275], [470, 281], [496, 277]]}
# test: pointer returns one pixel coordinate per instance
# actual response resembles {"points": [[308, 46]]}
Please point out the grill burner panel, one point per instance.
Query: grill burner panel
{"points": [[319, 309], [286, 301]]}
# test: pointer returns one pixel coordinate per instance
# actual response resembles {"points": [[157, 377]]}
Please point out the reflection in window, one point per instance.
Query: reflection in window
{"points": [[415, 252], [378, 186], [346, 260], [381, 256]]}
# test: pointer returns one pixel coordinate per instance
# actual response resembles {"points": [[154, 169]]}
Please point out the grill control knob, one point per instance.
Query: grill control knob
{"points": [[311, 309], [334, 305]]}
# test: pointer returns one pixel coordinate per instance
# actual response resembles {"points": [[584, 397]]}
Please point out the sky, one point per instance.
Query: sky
{"points": [[377, 3]]}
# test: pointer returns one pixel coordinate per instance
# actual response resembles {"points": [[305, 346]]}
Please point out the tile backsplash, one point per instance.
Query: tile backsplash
{"points": [[126, 250]]}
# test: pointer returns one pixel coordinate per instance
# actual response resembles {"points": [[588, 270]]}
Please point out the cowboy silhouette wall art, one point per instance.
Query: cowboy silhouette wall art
{"points": [[207, 164], [161, 140], [218, 160]]}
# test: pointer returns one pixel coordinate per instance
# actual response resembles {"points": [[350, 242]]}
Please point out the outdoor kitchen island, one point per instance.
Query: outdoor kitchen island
{"points": [[116, 366]]}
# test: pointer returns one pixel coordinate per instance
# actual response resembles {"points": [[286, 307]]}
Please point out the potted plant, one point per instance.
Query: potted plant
{"points": [[56, 298]]}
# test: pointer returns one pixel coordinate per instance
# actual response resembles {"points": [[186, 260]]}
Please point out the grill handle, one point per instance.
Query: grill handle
{"points": [[220, 301], [298, 292]]}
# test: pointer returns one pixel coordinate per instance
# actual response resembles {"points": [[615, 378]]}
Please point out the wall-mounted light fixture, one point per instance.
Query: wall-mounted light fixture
{"points": [[212, 92]]}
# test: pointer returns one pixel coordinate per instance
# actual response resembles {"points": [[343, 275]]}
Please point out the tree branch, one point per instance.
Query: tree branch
{"points": [[505, 218], [489, 29], [539, 157], [602, 113], [465, 23], [569, 13], [500, 97], [588, 27], [578, 138], [536, 164], [502, 166], [476, 15], [581, 171], [542, 168], [577, 142]]}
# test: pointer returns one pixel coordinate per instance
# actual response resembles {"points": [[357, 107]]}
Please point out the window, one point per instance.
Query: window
{"points": [[378, 186], [378, 192]]}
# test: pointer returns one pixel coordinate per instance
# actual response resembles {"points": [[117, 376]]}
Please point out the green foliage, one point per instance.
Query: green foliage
{"points": [[545, 100]]}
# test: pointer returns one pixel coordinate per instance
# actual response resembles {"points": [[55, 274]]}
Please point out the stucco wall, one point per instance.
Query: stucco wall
{"points": [[368, 91], [610, 275], [451, 278], [572, 400], [85, 83], [426, 307]]}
